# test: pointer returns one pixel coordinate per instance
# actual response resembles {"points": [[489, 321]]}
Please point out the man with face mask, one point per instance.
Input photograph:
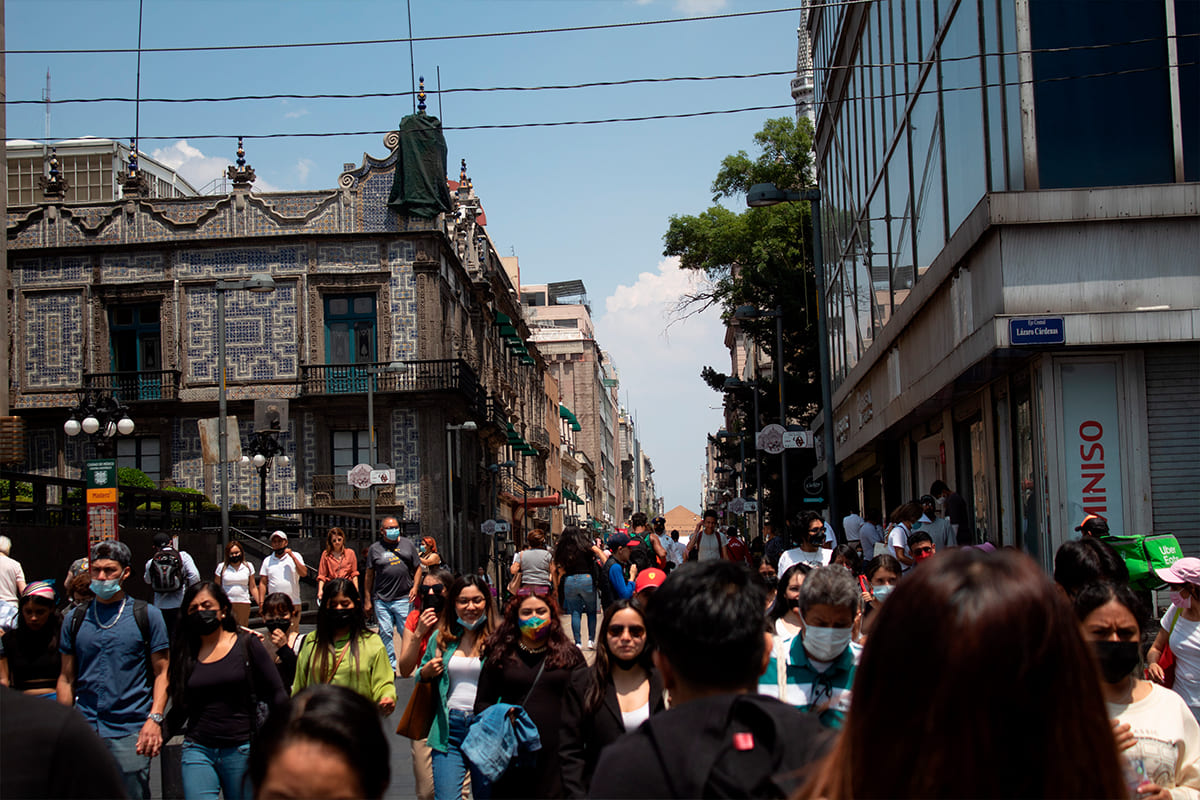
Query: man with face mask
{"points": [[922, 547], [282, 570], [812, 541], [114, 667], [820, 670], [393, 574]]}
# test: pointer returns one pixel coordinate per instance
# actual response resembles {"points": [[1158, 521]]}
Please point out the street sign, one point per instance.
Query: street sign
{"points": [[488, 527], [210, 440], [502, 526], [750, 506], [814, 492], [1036, 330], [794, 439], [737, 505], [101, 500], [383, 477], [770, 439], [359, 476]]}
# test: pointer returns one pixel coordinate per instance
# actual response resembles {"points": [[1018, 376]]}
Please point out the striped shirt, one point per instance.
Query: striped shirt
{"points": [[826, 693]]}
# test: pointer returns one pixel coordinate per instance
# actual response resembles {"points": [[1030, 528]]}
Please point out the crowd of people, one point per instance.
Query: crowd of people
{"points": [[903, 663]]}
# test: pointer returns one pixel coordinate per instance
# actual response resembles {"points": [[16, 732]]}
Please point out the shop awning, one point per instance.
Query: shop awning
{"points": [[566, 414]]}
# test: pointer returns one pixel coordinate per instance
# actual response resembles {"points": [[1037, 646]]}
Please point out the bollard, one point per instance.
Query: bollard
{"points": [[171, 764]]}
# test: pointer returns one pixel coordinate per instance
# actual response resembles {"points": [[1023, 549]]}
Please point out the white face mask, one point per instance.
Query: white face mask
{"points": [[826, 644]]}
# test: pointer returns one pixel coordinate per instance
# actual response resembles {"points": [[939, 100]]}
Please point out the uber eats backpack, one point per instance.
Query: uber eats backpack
{"points": [[166, 571], [1145, 554]]}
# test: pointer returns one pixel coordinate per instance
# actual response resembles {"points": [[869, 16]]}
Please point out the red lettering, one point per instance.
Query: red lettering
{"points": [[1096, 426], [1093, 483], [1088, 452]]}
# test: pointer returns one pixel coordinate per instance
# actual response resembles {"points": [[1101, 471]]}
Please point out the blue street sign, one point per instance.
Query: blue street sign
{"points": [[1036, 330]]}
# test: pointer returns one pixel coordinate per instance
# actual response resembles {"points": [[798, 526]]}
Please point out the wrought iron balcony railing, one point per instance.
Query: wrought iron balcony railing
{"points": [[135, 387]]}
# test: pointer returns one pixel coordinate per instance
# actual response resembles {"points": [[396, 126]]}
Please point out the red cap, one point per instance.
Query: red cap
{"points": [[647, 578]]}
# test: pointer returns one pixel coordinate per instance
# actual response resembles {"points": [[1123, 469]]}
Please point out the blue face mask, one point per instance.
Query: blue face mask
{"points": [[106, 590], [881, 592], [392, 534], [472, 626]]}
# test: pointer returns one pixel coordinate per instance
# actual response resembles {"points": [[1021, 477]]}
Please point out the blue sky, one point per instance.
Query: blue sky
{"points": [[587, 202]]}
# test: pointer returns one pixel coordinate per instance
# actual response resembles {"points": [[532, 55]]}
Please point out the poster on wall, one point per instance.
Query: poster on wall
{"points": [[1092, 443], [101, 500]]}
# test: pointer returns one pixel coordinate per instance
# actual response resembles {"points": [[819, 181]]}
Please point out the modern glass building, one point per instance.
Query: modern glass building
{"points": [[1012, 246]]}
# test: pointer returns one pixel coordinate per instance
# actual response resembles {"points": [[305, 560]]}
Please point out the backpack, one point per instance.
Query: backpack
{"points": [[1145, 554], [140, 615], [604, 585], [166, 571]]}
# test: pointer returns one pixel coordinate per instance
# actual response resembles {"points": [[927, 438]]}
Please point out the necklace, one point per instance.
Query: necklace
{"points": [[528, 649], [116, 619]]}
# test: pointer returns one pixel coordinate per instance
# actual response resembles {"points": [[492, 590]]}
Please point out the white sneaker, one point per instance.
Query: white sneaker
{"points": [[591, 645]]}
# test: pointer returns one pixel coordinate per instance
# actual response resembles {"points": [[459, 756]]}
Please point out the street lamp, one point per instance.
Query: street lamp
{"points": [[469, 425], [495, 470], [767, 194], [264, 449], [102, 416], [733, 385], [372, 372], [750, 312], [258, 282]]}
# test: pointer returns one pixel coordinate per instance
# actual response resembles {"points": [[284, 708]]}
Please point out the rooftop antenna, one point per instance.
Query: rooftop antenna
{"points": [[137, 101], [439, 81], [412, 62], [46, 100]]}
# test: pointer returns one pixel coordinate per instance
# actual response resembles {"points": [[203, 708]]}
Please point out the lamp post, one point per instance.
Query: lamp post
{"points": [[372, 372], [258, 282], [263, 450], [733, 384], [767, 194], [750, 312], [495, 470], [469, 425], [102, 416]]}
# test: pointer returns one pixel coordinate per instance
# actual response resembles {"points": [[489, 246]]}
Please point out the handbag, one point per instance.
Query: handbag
{"points": [[1166, 661], [417, 718]]}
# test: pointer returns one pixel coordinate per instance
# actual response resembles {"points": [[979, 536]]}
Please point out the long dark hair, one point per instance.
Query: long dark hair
{"points": [[185, 643], [601, 671], [322, 657], [999, 646], [502, 644], [779, 607], [573, 547], [449, 630]]}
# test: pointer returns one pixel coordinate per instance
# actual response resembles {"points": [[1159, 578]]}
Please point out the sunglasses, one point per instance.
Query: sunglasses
{"points": [[435, 588], [533, 591], [635, 631], [922, 551]]}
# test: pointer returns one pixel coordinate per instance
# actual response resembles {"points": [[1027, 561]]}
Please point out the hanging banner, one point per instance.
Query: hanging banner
{"points": [[101, 500], [1092, 443]]}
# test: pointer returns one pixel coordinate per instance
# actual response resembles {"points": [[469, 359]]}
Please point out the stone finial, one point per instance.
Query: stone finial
{"points": [[242, 174], [462, 173], [54, 185], [134, 184], [421, 95]]}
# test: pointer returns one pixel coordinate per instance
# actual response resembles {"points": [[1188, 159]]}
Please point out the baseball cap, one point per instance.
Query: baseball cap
{"points": [[279, 535], [618, 540], [1094, 525], [1185, 570], [160, 539], [649, 578]]}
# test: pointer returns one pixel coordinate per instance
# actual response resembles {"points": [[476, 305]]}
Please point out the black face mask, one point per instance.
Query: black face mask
{"points": [[278, 551], [1117, 659], [816, 538], [341, 617], [203, 622], [235, 559], [434, 601], [278, 624], [793, 603]]}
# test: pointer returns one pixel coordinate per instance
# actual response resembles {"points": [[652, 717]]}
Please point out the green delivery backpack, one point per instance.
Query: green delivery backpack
{"points": [[1145, 554]]}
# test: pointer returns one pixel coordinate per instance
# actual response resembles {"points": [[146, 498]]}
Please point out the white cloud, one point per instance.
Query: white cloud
{"points": [[299, 112], [303, 167], [197, 168], [659, 357], [696, 8]]}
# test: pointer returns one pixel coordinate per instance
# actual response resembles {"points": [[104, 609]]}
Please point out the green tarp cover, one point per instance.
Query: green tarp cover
{"points": [[419, 188]]}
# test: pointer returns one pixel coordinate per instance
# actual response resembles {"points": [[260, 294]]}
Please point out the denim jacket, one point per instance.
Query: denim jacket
{"points": [[493, 743]]}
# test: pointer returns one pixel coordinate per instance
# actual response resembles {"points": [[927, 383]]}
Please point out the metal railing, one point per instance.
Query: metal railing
{"points": [[538, 437], [333, 490], [443, 375], [135, 387]]}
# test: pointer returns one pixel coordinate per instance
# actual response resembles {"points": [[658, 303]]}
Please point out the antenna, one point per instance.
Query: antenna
{"points": [[412, 61], [46, 100]]}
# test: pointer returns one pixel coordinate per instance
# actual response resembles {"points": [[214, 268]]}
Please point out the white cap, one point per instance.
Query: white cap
{"points": [[279, 535]]}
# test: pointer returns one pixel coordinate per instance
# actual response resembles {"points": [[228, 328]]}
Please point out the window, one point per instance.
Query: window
{"points": [[135, 344], [350, 329], [141, 452], [349, 448]]}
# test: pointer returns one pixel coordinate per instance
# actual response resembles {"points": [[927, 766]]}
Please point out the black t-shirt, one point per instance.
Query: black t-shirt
{"points": [[218, 694], [32, 662], [394, 568], [579, 563]]}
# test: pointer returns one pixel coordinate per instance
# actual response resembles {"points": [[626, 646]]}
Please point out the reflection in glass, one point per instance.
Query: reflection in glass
{"points": [[962, 105]]}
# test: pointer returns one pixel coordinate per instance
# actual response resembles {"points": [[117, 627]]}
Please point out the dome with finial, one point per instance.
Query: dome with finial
{"points": [[242, 175]]}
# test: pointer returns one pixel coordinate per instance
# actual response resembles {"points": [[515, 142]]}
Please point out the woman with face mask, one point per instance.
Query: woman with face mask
{"points": [[29, 657], [784, 614], [236, 576], [1181, 627], [881, 575], [1162, 753], [217, 678], [452, 661], [529, 657], [281, 618], [342, 651]]}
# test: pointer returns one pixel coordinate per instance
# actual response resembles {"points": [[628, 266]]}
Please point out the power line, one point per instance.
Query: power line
{"points": [[411, 39]]}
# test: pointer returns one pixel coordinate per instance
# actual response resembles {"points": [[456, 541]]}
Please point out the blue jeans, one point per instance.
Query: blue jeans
{"points": [[208, 771], [450, 767], [579, 598], [390, 614], [135, 769]]}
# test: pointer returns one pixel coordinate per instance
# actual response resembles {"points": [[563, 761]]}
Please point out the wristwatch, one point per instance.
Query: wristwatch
{"points": [[155, 718]]}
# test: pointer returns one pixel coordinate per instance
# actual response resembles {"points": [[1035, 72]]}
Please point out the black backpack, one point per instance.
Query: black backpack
{"points": [[166, 571], [604, 585]]}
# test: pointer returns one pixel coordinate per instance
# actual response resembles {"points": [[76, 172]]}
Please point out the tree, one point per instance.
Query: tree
{"points": [[760, 257]]}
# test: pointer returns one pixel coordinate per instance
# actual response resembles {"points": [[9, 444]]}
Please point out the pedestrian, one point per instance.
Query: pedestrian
{"points": [[77, 584], [818, 671], [852, 526], [619, 692], [235, 575], [870, 535], [533, 565], [897, 539], [1180, 627], [955, 508], [29, 657], [168, 573], [218, 676], [1001, 665], [737, 549], [881, 575], [920, 544], [576, 568], [114, 667], [940, 531], [773, 544], [812, 548], [282, 640], [769, 578], [282, 570], [422, 622], [1079, 562], [337, 561], [12, 583], [719, 737], [393, 574], [647, 583], [328, 745], [1165, 750], [619, 574], [427, 551], [344, 652], [706, 541], [528, 660], [846, 555], [783, 617], [676, 552], [453, 661], [1092, 525]]}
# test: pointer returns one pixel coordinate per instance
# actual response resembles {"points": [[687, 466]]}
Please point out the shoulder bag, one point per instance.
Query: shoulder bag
{"points": [[1167, 660], [418, 715]]}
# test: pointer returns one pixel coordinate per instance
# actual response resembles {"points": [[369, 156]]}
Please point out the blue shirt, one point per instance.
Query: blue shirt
{"points": [[616, 576], [110, 666]]}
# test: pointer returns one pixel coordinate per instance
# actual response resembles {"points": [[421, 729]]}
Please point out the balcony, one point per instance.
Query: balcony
{"points": [[332, 490], [539, 438], [416, 377], [496, 413], [134, 387]]}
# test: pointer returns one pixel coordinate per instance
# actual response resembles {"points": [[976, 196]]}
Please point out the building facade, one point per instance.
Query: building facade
{"points": [[1011, 218]]}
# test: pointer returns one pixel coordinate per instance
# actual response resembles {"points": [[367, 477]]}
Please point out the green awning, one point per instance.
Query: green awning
{"points": [[569, 495], [508, 331], [566, 414], [528, 361], [503, 319]]}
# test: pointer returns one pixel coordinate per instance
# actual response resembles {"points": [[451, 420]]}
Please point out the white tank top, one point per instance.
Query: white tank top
{"points": [[632, 719], [464, 680]]}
